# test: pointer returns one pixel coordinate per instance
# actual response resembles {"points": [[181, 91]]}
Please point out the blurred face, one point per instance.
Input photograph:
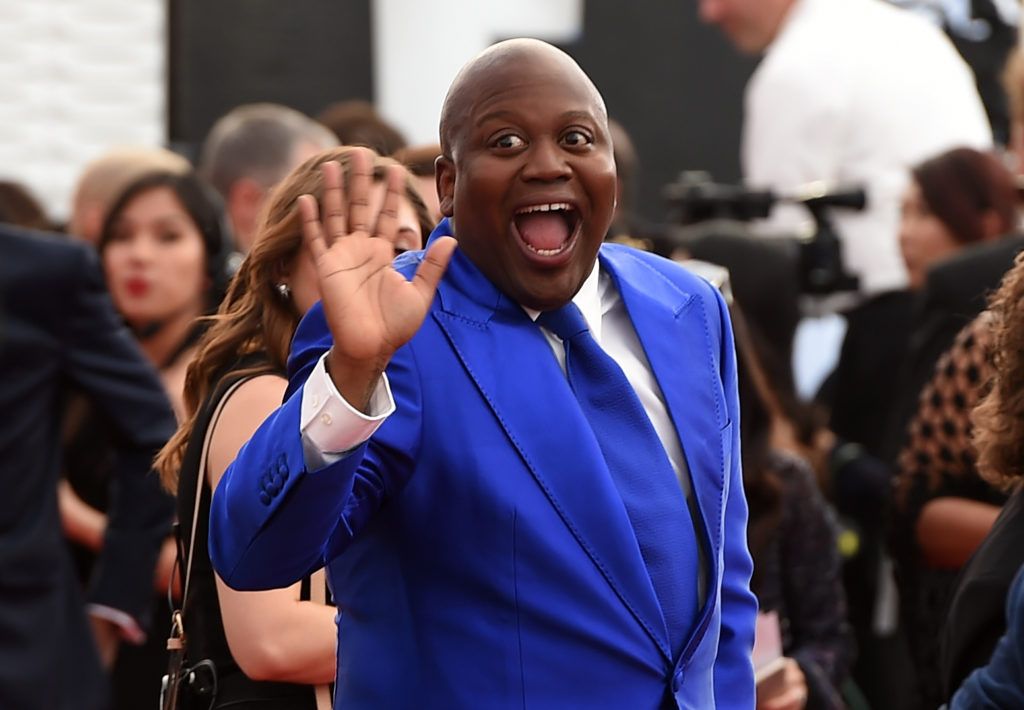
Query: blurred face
{"points": [[427, 187], [532, 185], [302, 274], [155, 261], [751, 25], [924, 238]]}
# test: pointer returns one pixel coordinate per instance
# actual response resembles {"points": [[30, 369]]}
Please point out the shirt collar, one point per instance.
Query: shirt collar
{"points": [[588, 300]]}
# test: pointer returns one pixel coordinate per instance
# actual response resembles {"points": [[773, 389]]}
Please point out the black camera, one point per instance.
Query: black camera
{"points": [[703, 207]]}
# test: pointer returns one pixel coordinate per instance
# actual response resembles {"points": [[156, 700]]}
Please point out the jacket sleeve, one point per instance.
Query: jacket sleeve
{"points": [[1000, 684], [272, 520], [103, 360], [734, 672]]}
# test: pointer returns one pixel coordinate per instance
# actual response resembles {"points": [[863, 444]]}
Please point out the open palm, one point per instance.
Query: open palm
{"points": [[371, 309]]}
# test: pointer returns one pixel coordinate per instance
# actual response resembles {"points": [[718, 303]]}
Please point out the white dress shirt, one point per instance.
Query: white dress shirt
{"points": [[857, 92]]}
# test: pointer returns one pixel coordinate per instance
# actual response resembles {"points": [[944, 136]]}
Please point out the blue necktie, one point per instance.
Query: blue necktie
{"points": [[639, 467]]}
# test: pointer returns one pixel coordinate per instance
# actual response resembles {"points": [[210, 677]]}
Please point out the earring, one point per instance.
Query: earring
{"points": [[285, 290]]}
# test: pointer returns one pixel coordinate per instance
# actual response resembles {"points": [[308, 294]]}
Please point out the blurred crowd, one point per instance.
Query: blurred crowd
{"points": [[886, 519]]}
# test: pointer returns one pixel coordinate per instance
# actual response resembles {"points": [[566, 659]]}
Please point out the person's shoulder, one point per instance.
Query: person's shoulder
{"points": [[640, 266], [49, 269], [407, 262], [25, 246]]}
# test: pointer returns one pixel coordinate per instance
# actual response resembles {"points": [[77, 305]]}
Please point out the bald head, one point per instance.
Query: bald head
{"points": [[524, 127], [501, 64]]}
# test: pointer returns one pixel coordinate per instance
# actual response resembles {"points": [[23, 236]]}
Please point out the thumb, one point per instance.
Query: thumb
{"points": [[434, 264]]}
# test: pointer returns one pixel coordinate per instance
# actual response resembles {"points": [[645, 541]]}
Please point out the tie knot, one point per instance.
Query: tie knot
{"points": [[565, 322]]}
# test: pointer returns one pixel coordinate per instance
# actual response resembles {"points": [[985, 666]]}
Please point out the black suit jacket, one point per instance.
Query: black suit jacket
{"points": [[58, 332]]}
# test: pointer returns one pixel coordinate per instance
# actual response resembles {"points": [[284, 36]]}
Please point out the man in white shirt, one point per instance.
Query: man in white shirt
{"points": [[852, 92], [543, 415]]}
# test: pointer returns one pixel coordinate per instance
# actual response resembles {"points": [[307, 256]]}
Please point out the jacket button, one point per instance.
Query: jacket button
{"points": [[265, 498]]}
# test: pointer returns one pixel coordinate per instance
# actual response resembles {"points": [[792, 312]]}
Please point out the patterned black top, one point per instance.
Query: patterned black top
{"points": [[938, 461]]}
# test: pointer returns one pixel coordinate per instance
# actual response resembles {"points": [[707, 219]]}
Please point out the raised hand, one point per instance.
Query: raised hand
{"points": [[371, 309]]}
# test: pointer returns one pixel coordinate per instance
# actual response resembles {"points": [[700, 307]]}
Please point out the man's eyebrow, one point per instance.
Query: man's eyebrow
{"points": [[583, 116], [492, 115]]}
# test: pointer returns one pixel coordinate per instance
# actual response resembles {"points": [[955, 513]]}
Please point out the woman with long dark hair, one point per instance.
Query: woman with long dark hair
{"points": [[159, 247]]}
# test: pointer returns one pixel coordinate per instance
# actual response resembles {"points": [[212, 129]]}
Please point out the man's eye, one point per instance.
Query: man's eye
{"points": [[509, 140], [576, 138]]}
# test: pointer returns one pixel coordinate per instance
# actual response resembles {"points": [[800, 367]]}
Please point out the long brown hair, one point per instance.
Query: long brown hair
{"points": [[999, 418], [254, 317]]}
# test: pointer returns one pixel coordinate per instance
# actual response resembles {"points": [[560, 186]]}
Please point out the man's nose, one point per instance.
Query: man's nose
{"points": [[546, 161]]}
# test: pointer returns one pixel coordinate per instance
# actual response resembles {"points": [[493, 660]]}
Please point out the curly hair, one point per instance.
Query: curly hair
{"points": [[253, 317], [999, 417]]}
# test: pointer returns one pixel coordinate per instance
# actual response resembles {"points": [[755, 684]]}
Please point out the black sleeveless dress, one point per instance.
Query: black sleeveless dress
{"points": [[204, 627]]}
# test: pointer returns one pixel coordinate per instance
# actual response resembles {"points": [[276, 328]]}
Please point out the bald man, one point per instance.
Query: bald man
{"points": [[517, 459]]}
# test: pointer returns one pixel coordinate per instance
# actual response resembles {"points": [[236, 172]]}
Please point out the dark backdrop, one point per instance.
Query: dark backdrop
{"points": [[674, 84], [301, 53]]}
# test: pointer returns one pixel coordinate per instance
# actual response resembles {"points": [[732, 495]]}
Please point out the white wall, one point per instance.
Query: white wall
{"points": [[410, 84], [77, 77]]}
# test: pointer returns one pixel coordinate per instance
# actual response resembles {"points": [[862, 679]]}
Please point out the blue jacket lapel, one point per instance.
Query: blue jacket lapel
{"points": [[493, 337]]}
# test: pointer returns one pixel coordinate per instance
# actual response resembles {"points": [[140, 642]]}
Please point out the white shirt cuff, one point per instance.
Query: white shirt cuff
{"points": [[330, 426]]}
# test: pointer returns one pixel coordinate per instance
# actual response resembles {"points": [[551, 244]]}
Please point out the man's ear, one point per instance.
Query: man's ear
{"points": [[444, 175]]}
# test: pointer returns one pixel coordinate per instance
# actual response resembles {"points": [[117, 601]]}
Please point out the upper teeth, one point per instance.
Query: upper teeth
{"points": [[545, 208]]}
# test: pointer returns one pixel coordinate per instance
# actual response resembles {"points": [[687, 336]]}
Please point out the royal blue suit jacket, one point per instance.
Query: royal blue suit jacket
{"points": [[478, 551]]}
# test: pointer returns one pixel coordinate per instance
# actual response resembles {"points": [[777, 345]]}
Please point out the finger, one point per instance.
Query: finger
{"points": [[430, 271], [360, 183], [312, 230], [387, 219], [333, 207]]}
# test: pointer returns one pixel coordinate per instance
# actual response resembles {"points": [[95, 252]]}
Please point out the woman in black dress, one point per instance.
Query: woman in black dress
{"points": [[265, 649]]}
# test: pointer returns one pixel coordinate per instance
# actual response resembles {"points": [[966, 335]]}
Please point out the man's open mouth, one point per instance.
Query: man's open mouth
{"points": [[547, 229]]}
